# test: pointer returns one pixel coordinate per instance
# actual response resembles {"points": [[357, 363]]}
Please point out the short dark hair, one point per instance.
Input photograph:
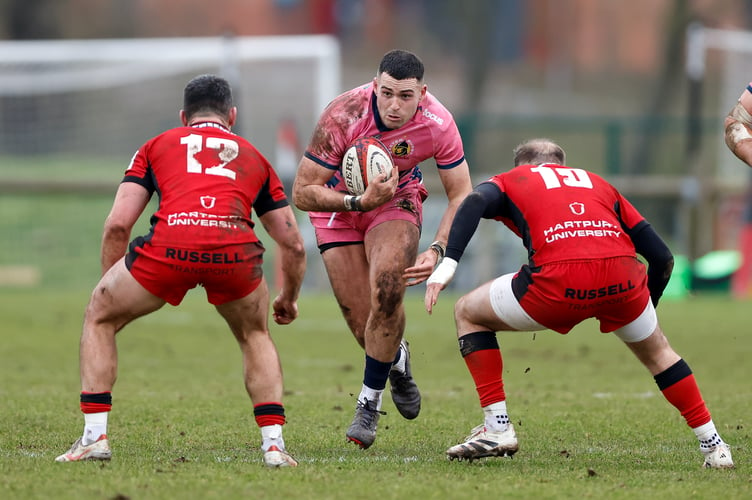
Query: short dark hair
{"points": [[537, 151], [207, 94], [401, 65]]}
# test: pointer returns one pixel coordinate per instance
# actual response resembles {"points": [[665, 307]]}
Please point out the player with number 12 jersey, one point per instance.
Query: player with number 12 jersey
{"points": [[214, 181], [202, 227]]}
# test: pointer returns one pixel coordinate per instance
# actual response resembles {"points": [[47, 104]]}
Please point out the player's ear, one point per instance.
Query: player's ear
{"points": [[423, 90], [232, 116], [183, 118]]}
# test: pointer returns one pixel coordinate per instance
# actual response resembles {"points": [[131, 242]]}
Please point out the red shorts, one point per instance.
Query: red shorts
{"points": [[351, 227], [561, 295], [227, 273]]}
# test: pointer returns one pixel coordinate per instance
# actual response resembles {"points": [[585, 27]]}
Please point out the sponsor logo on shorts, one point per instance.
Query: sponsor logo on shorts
{"points": [[215, 271], [203, 257], [597, 293]]}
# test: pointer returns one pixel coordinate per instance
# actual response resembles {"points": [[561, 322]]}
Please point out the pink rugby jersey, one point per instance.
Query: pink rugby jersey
{"points": [[431, 133]]}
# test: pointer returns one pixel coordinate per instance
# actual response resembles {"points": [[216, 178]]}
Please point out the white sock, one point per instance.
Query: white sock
{"points": [[496, 417], [708, 436], [400, 364], [368, 394], [95, 424], [271, 435]]}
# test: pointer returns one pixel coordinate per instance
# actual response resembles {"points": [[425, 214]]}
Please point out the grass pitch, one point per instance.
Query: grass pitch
{"points": [[590, 420]]}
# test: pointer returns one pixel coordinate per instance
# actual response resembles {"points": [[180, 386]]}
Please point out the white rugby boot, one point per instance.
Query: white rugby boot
{"points": [[485, 443]]}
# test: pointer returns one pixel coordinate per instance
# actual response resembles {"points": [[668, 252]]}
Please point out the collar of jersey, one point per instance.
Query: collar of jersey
{"points": [[376, 116], [210, 124]]}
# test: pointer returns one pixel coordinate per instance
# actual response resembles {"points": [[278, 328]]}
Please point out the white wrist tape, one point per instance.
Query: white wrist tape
{"points": [[444, 272]]}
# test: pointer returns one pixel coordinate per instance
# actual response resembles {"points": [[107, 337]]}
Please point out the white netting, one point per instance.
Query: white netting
{"points": [[72, 114], [93, 102]]}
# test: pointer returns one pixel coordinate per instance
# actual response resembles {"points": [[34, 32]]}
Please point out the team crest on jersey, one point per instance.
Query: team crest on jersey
{"points": [[577, 208], [401, 148], [208, 201]]}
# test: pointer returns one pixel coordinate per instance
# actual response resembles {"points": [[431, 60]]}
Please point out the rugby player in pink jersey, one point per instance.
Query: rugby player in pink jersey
{"points": [[368, 241], [208, 181], [582, 239]]}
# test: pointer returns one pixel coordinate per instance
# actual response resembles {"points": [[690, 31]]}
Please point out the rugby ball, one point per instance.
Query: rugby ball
{"points": [[365, 159]]}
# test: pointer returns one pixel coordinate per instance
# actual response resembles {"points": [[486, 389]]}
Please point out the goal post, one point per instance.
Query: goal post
{"points": [[73, 101]]}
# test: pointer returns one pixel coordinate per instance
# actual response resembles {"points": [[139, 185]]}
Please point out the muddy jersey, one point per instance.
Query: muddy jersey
{"points": [[565, 214], [208, 180], [431, 133]]}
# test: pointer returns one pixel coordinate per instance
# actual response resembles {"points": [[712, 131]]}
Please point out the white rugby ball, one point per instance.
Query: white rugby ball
{"points": [[365, 159]]}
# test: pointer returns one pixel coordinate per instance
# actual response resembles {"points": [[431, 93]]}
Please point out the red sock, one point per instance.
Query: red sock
{"points": [[686, 397], [485, 367]]}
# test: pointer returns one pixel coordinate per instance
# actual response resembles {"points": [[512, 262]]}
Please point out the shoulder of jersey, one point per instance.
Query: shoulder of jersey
{"points": [[431, 110], [363, 92]]}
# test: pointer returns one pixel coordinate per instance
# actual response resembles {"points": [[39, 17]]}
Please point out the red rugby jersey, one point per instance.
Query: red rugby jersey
{"points": [[564, 213], [208, 180]]}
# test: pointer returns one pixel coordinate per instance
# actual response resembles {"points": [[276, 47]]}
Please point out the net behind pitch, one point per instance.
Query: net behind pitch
{"points": [[73, 113]]}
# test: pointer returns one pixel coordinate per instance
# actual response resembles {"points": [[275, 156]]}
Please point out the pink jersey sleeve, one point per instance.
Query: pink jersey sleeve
{"points": [[448, 150]]}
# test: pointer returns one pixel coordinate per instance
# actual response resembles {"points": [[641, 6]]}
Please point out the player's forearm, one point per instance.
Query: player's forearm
{"points": [[283, 228], [320, 199], [293, 261], [445, 225], [659, 257], [114, 246], [465, 223]]}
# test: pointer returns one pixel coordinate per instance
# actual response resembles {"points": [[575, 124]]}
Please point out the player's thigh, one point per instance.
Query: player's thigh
{"points": [[392, 246], [654, 351], [118, 298], [473, 312], [347, 269], [643, 326], [494, 306], [247, 315]]}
